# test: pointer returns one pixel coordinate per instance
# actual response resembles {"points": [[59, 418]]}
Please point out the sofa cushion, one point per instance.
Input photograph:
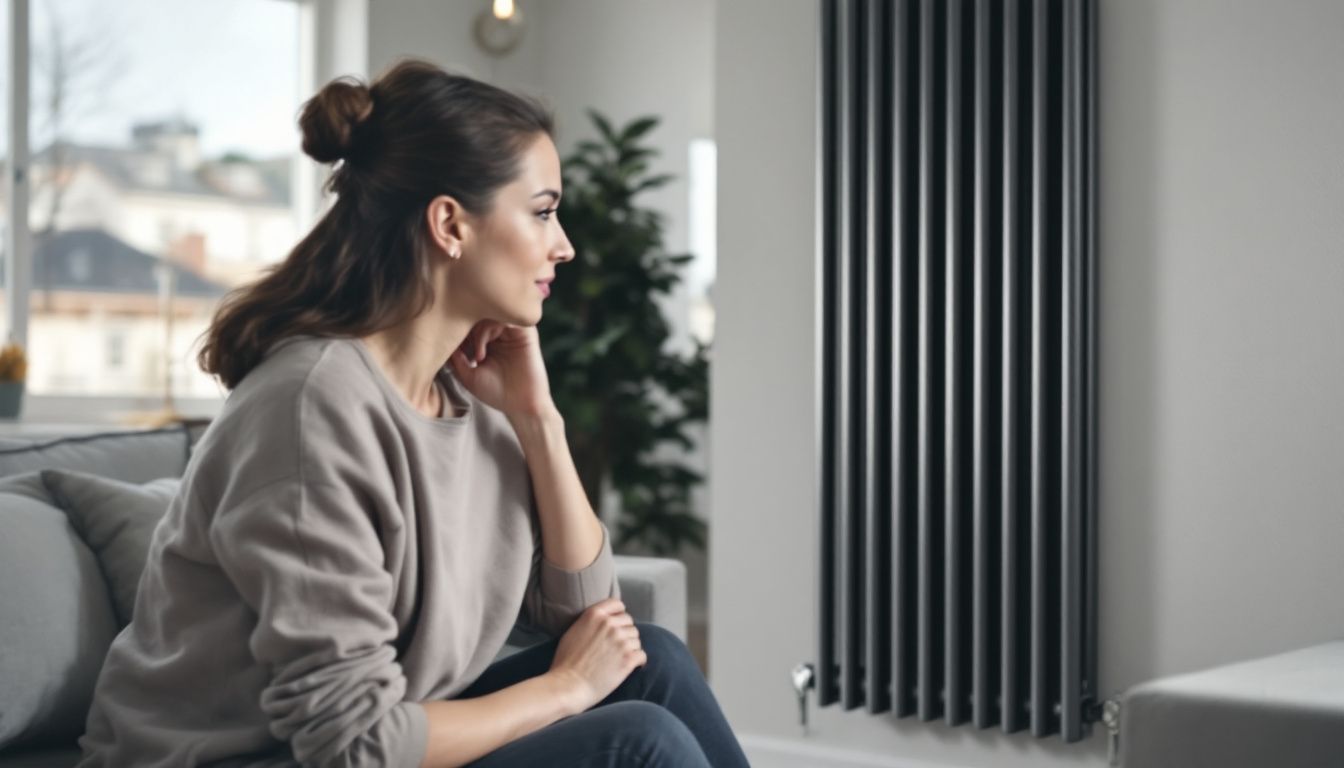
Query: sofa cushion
{"points": [[58, 620], [116, 520], [136, 456]]}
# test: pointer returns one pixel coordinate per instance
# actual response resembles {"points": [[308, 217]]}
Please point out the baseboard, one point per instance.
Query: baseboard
{"points": [[774, 752]]}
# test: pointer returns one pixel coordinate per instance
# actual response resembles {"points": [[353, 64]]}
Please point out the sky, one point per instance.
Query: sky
{"points": [[229, 66]]}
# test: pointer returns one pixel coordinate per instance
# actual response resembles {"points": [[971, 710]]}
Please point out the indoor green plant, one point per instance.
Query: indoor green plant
{"points": [[13, 373], [603, 336]]}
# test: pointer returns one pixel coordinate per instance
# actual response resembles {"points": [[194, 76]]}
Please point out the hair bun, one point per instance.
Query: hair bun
{"points": [[329, 118]]}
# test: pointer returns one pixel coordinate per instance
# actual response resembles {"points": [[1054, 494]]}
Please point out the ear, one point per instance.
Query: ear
{"points": [[449, 225]]}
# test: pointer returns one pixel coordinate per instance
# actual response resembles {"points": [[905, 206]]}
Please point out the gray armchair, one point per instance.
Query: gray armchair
{"points": [[653, 589]]}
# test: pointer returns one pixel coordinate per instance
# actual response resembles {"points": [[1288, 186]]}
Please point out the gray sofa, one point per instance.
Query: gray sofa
{"points": [[57, 612]]}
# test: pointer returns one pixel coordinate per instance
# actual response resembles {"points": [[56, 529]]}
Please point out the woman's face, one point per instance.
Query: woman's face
{"points": [[517, 246]]}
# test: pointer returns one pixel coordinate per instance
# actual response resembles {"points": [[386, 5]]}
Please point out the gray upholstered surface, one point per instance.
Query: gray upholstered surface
{"points": [[1284, 711], [116, 520], [136, 456], [56, 618], [654, 590]]}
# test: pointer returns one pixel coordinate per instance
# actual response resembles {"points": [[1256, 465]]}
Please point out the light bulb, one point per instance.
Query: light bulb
{"points": [[503, 9]]}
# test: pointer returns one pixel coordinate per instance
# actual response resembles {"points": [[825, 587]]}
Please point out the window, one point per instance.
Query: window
{"points": [[160, 180], [116, 349], [702, 232]]}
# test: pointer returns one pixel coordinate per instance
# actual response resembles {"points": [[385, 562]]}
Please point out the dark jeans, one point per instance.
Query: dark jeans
{"points": [[663, 714]]}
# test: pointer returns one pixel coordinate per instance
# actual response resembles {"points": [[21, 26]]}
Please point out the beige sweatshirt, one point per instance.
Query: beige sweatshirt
{"points": [[334, 556]]}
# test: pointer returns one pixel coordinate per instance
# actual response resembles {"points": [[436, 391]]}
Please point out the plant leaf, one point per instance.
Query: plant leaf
{"points": [[604, 126], [637, 128]]}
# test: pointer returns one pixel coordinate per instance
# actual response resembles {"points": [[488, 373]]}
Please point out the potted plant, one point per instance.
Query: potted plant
{"points": [[603, 335], [13, 372]]}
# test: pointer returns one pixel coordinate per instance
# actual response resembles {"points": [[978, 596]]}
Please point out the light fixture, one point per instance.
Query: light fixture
{"points": [[499, 28]]}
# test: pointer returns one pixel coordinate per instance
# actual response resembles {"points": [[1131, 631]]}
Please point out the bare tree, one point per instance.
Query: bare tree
{"points": [[75, 69]]}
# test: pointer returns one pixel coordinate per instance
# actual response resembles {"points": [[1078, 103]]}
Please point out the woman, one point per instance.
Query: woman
{"points": [[388, 488]]}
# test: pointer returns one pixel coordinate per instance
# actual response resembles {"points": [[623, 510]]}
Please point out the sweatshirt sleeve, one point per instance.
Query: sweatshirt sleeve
{"points": [[307, 559], [555, 597]]}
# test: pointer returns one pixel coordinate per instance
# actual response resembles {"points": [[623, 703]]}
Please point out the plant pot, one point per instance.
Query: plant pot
{"points": [[11, 399]]}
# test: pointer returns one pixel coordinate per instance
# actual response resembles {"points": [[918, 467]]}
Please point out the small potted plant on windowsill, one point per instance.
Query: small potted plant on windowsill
{"points": [[13, 372]]}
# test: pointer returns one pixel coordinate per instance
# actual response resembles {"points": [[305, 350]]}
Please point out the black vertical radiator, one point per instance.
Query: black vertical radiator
{"points": [[956, 279]]}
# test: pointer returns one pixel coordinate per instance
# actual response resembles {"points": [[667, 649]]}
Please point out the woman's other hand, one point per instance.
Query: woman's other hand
{"points": [[599, 651]]}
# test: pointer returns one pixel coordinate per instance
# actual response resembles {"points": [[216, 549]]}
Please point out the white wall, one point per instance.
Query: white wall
{"points": [[1221, 362], [441, 31]]}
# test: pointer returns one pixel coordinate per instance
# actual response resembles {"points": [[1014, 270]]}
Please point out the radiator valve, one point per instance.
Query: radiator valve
{"points": [[803, 679], [1110, 717]]}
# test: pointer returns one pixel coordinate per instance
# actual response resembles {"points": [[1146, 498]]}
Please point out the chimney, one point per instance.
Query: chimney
{"points": [[176, 138], [189, 251]]}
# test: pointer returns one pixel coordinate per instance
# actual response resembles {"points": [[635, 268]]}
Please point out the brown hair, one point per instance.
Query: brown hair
{"points": [[417, 132]]}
